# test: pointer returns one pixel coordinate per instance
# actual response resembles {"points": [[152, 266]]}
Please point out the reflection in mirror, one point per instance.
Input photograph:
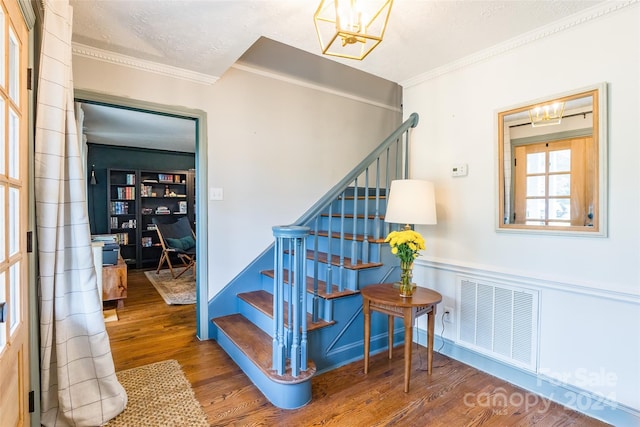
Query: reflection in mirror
{"points": [[552, 157]]}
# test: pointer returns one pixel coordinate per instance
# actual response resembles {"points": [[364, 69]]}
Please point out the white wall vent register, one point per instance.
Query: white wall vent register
{"points": [[498, 320]]}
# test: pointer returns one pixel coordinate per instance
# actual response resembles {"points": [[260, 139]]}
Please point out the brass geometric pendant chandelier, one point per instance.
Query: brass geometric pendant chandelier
{"points": [[351, 28]]}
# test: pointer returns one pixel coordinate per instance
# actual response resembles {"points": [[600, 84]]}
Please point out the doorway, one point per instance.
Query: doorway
{"points": [[198, 118]]}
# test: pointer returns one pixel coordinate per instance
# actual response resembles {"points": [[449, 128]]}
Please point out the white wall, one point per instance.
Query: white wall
{"points": [[274, 146], [590, 287]]}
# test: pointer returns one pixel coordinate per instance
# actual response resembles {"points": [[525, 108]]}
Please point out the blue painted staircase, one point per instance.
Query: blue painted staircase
{"points": [[296, 309]]}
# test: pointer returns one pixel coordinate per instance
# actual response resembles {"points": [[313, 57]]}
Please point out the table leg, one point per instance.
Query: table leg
{"points": [[408, 333], [367, 333], [390, 333], [431, 321]]}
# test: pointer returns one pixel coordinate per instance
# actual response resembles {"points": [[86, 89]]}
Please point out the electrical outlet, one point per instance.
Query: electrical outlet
{"points": [[448, 314]]}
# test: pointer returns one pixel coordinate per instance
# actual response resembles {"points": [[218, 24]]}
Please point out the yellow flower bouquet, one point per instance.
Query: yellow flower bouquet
{"points": [[406, 245]]}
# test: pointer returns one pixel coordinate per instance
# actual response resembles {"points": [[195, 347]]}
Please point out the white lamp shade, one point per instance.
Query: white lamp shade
{"points": [[411, 201]]}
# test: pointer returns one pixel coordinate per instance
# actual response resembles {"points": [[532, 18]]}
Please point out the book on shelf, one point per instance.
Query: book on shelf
{"points": [[126, 193], [119, 208], [146, 191], [106, 238], [131, 178], [122, 238]]}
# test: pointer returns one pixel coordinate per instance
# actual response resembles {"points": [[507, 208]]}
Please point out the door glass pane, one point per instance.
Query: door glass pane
{"points": [[535, 186], [14, 144], [560, 185], [560, 161], [536, 209], [14, 72], [2, 70], [2, 223], [559, 209], [2, 137], [3, 298], [535, 163], [14, 220], [14, 296]]}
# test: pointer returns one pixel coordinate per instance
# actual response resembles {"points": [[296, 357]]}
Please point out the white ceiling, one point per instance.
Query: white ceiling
{"points": [[206, 37]]}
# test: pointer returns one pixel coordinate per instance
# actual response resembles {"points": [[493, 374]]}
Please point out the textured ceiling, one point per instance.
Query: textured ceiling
{"points": [[208, 36]]}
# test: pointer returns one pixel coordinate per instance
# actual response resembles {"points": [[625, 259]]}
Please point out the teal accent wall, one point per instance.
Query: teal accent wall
{"points": [[115, 157]]}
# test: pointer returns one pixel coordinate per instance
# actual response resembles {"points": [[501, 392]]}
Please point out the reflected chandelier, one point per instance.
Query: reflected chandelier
{"points": [[549, 114], [351, 28]]}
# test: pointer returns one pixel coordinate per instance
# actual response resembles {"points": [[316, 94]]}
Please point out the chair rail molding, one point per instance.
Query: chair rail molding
{"points": [[527, 279]]}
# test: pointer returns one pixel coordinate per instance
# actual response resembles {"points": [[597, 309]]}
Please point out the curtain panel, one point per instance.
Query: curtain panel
{"points": [[79, 385]]}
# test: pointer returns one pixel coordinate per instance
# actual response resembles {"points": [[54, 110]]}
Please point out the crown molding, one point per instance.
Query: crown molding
{"points": [[588, 15], [141, 64], [288, 79]]}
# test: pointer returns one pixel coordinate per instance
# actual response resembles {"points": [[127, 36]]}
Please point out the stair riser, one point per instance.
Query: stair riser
{"points": [[335, 275], [286, 396], [349, 278], [349, 206], [256, 316], [371, 190], [325, 309], [371, 224], [323, 246]]}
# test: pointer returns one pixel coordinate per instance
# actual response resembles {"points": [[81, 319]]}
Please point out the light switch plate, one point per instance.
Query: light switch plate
{"points": [[459, 170], [216, 193]]}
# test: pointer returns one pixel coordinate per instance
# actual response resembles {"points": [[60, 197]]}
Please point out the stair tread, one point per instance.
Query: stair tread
{"points": [[263, 301], [349, 236], [322, 286], [258, 347], [335, 261]]}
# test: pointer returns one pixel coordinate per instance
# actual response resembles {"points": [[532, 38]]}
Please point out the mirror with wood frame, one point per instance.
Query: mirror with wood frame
{"points": [[552, 164]]}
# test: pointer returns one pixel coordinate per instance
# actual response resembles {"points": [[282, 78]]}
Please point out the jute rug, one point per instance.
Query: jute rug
{"points": [[174, 291], [158, 395]]}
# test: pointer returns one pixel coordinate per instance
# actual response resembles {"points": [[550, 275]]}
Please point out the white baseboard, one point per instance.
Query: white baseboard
{"points": [[567, 395]]}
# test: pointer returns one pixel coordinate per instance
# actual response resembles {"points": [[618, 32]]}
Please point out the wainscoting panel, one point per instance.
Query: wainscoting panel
{"points": [[498, 320]]}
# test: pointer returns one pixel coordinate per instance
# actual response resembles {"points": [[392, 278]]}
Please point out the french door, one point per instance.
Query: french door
{"points": [[14, 328]]}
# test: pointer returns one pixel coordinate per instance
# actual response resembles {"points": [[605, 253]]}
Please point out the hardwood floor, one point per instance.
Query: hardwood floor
{"points": [[149, 331]]}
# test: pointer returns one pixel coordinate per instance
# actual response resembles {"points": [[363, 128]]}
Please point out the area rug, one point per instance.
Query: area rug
{"points": [[158, 395], [174, 291]]}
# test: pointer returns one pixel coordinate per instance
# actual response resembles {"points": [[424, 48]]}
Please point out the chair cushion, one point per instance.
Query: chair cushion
{"points": [[183, 243]]}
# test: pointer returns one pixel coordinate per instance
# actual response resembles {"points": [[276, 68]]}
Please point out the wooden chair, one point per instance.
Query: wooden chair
{"points": [[178, 240]]}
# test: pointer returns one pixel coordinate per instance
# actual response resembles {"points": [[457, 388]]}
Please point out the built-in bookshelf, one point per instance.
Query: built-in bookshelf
{"points": [[123, 213], [138, 199], [164, 197]]}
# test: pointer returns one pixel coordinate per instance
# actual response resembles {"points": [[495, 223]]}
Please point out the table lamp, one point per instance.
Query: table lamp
{"points": [[411, 201]]}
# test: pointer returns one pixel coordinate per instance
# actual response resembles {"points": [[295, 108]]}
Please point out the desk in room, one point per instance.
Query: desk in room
{"points": [[384, 298]]}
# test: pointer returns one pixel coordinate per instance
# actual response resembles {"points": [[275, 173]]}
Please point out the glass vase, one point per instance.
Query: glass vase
{"points": [[406, 274]]}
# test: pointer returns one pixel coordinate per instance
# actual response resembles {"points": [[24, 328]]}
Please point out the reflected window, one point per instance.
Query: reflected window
{"points": [[543, 181]]}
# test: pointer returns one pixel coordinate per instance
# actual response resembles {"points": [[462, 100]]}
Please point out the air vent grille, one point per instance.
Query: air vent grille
{"points": [[499, 320]]}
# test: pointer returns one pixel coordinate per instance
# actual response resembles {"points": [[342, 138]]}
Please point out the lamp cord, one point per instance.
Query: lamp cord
{"points": [[421, 367]]}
